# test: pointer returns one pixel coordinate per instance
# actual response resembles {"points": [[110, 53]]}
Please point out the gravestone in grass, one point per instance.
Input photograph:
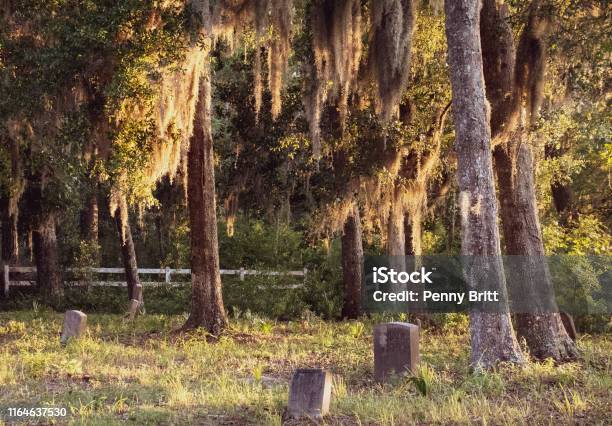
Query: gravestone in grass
{"points": [[396, 349], [310, 393], [75, 323]]}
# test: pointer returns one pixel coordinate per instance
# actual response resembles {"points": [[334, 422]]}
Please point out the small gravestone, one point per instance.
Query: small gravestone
{"points": [[396, 349], [310, 393], [75, 323], [568, 323]]}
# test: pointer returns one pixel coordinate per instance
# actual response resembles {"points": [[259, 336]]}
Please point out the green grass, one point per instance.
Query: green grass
{"points": [[145, 373]]}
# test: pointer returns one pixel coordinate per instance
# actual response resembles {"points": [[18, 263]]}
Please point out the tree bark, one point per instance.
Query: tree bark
{"points": [[543, 332], [9, 214], [89, 217], [408, 247], [492, 336], [128, 252], [207, 308], [352, 265], [48, 276], [10, 241], [503, 70], [396, 237]]}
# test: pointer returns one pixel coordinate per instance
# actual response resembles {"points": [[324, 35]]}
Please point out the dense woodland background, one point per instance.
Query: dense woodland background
{"points": [[332, 126]]}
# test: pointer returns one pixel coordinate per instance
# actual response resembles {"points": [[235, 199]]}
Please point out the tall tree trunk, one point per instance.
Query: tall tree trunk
{"points": [[492, 336], [10, 240], [128, 251], [396, 237], [504, 70], [9, 213], [413, 228], [30, 244], [89, 217], [206, 297], [352, 265], [408, 247], [544, 332], [48, 275]]}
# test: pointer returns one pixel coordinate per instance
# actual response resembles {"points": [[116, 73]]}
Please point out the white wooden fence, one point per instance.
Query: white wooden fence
{"points": [[166, 272]]}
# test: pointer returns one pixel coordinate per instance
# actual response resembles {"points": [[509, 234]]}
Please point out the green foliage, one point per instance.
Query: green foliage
{"points": [[93, 67], [256, 243], [424, 379], [587, 236], [87, 258]]}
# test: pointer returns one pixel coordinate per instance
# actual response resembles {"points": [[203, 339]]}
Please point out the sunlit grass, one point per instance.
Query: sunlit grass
{"points": [[147, 373]]}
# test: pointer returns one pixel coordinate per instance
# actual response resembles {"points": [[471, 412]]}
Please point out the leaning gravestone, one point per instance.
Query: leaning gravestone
{"points": [[75, 323], [310, 393], [396, 349]]}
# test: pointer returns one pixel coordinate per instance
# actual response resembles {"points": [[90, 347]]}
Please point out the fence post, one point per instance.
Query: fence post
{"points": [[241, 274], [167, 275], [5, 273]]}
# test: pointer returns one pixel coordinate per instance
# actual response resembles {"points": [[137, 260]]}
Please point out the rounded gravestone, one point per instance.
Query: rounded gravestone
{"points": [[75, 324]]}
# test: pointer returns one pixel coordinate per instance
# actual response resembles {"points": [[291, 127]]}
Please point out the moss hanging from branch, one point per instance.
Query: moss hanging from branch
{"points": [[272, 21], [391, 29], [279, 51], [336, 43], [230, 207]]}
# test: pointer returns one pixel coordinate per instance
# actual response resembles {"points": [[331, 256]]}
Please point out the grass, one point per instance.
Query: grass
{"points": [[144, 373]]}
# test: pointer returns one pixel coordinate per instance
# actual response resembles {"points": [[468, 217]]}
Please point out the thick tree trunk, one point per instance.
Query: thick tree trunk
{"points": [[492, 336], [48, 275], [206, 298], [543, 332], [89, 218], [10, 240], [352, 265], [408, 247], [396, 237], [128, 252], [9, 213], [413, 228]]}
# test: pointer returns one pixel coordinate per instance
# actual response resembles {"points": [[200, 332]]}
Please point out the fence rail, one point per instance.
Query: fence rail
{"points": [[166, 272]]}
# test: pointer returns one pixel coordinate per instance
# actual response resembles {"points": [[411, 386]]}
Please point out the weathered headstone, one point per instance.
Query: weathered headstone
{"points": [[396, 349], [310, 393], [75, 324], [568, 323]]}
